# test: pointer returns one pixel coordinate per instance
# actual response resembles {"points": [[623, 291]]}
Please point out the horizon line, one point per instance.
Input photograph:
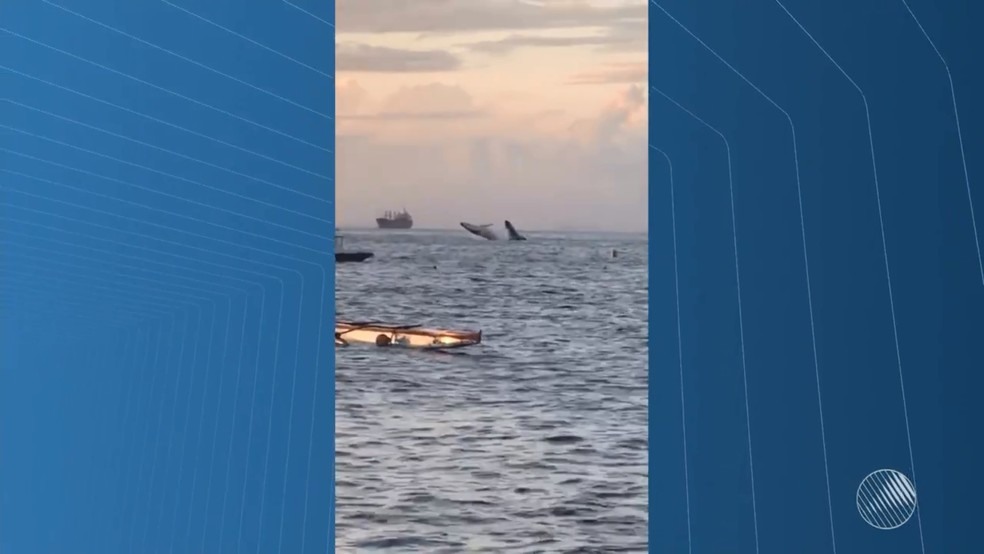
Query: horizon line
{"points": [[525, 230]]}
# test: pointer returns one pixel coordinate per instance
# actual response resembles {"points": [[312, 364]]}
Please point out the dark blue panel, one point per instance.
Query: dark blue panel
{"points": [[166, 276]]}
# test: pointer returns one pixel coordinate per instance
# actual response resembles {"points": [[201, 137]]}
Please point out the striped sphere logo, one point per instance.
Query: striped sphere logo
{"points": [[886, 499]]}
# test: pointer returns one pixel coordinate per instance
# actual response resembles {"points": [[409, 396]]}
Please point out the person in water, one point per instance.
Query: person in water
{"points": [[383, 340]]}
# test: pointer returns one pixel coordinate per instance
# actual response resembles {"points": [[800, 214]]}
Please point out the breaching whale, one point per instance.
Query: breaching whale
{"points": [[513, 233], [484, 231]]}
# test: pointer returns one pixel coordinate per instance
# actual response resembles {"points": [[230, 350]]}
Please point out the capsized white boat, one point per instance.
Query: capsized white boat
{"points": [[412, 336]]}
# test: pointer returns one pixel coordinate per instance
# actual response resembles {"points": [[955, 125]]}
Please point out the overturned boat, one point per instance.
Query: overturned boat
{"points": [[484, 231], [411, 336], [342, 255], [513, 233]]}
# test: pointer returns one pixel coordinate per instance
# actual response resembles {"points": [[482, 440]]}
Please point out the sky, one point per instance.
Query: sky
{"points": [[486, 110]]}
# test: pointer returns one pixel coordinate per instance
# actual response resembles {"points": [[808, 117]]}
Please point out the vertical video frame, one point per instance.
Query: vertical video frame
{"points": [[491, 276]]}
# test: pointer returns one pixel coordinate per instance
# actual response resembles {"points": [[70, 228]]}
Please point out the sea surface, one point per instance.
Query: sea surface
{"points": [[534, 441]]}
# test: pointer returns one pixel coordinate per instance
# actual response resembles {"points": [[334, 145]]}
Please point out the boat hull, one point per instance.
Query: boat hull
{"points": [[408, 336], [342, 257]]}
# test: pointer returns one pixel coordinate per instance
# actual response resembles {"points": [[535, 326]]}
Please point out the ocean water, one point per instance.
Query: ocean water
{"points": [[534, 441]]}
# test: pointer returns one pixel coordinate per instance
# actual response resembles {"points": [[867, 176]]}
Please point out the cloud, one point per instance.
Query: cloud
{"points": [[405, 116], [353, 57], [629, 35], [350, 96], [586, 174], [506, 45], [430, 98], [434, 102], [628, 107], [452, 16], [620, 35], [615, 73]]}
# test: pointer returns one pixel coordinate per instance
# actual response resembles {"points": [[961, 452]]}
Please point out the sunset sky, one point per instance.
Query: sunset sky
{"points": [[485, 110]]}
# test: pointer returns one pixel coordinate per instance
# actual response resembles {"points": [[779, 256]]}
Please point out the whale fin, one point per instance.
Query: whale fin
{"points": [[513, 233]]}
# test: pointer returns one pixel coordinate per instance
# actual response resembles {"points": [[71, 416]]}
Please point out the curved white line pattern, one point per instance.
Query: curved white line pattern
{"points": [[205, 275], [247, 39], [309, 14], [171, 125], [189, 60], [741, 324], [683, 396], [806, 257], [178, 155], [884, 242], [166, 90], [956, 115]]}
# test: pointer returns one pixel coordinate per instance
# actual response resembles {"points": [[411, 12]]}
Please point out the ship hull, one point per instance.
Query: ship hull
{"points": [[384, 223]]}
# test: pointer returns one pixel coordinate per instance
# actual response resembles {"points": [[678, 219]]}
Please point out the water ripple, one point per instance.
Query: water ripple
{"points": [[534, 441]]}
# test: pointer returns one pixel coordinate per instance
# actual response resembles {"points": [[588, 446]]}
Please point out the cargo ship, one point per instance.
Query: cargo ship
{"points": [[395, 220]]}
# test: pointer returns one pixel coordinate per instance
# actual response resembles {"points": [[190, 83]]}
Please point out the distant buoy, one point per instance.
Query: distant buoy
{"points": [[614, 253]]}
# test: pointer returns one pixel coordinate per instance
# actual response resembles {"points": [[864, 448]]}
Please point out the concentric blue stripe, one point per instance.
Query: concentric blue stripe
{"points": [[830, 147], [166, 187]]}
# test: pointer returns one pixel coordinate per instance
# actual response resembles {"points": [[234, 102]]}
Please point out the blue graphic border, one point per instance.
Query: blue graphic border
{"points": [[166, 276], [816, 280]]}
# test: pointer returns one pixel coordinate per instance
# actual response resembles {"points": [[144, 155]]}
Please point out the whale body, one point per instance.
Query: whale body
{"points": [[484, 231]]}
